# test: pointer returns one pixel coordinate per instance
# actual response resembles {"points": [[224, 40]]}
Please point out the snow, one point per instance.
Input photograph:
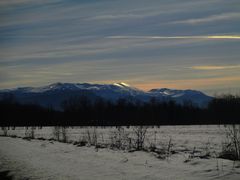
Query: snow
{"points": [[124, 84], [48, 159], [186, 137], [53, 160], [117, 84], [178, 95]]}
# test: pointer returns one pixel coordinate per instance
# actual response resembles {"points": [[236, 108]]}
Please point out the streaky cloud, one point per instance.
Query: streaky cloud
{"points": [[212, 18], [195, 83], [215, 67], [177, 37]]}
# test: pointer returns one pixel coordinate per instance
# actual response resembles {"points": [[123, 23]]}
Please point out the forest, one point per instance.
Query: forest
{"points": [[83, 111]]}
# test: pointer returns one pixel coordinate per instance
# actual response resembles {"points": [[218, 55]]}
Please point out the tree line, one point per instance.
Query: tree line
{"points": [[84, 111]]}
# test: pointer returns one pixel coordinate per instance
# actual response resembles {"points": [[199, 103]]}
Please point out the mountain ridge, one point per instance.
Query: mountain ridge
{"points": [[54, 94]]}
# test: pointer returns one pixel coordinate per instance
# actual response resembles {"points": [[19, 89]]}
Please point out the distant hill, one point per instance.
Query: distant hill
{"points": [[54, 94]]}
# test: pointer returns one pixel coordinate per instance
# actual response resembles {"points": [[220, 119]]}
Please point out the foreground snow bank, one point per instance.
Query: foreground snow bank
{"points": [[53, 160]]}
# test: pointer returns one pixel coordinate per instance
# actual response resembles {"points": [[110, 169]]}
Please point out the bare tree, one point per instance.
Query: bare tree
{"points": [[92, 137], [89, 138], [56, 132], [140, 132], [30, 132], [5, 131], [119, 139], [64, 134], [232, 147], [95, 137], [60, 133]]}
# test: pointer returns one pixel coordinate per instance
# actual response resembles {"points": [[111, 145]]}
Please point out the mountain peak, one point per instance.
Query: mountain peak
{"points": [[174, 93], [122, 84], [56, 84]]}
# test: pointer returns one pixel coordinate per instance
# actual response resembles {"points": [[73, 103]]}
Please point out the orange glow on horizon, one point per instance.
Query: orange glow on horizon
{"points": [[202, 83]]}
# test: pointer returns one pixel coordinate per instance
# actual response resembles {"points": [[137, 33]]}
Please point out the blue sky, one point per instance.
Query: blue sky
{"points": [[182, 44]]}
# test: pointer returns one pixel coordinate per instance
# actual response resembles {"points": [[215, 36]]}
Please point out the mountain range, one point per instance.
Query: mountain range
{"points": [[54, 94]]}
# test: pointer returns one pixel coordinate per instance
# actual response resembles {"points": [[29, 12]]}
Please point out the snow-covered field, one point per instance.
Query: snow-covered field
{"points": [[185, 137], [38, 159]]}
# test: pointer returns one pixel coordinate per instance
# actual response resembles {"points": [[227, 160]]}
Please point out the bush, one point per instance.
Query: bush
{"points": [[91, 137], [5, 131], [64, 135], [56, 133], [120, 139], [30, 133], [60, 133], [140, 132], [231, 148]]}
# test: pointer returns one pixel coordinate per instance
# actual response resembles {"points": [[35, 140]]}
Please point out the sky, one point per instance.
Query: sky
{"points": [[180, 44]]}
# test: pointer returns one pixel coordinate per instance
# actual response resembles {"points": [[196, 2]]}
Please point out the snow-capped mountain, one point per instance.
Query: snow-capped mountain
{"points": [[182, 96], [54, 94]]}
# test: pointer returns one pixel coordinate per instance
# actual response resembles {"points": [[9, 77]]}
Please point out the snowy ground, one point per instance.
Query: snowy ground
{"points": [[38, 159], [53, 160], [199, 137]]}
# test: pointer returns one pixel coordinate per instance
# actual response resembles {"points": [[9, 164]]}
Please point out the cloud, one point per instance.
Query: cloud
{"points": [[13, 2], [212, 18], [115, 17], [8, 3], [200, 83], [177, 37], [215, 67], [76, 41]]}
